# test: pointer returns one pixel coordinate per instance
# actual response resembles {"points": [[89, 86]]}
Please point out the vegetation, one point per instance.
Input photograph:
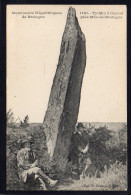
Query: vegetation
{"points": [[13, 140], [107, 152], [25, 122], [113, 178], [10, 118], [11, 121]]}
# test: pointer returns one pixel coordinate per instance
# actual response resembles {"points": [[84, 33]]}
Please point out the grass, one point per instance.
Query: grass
{"points": [[112, 177]]}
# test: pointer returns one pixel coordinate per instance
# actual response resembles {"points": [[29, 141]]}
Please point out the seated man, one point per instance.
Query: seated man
{"points": [[28, 166], [79, 154]]}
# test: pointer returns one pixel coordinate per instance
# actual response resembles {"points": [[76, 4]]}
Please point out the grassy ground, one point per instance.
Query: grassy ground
{"points": [[112, 179], [108, 154]]}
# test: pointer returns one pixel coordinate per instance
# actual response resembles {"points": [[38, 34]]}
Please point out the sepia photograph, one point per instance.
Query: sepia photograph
{"points": [[66, 96]]}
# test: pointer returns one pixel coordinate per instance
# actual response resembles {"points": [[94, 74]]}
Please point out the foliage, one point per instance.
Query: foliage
{"points": [[113, 178], [25, 122], [26, 119], [13, 146], [107, 152], [107, 147], [10, 118], [117, 145]]}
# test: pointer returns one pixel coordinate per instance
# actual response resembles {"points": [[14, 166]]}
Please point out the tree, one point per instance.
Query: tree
{"points": [[25, 122]]}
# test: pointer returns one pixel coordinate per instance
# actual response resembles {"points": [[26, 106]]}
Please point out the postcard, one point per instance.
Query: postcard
{"points": [[66, 93]]}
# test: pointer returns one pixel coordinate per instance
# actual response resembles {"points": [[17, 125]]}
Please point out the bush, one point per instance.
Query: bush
{"points": [[13, 146], [10, 118], [107, 152], [107, 147], [114, 178], [25, 122]]}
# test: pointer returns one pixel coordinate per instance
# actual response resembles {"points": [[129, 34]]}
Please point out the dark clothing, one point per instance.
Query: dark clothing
{"points": [[78, 143], [31, 157], [79, 159]]}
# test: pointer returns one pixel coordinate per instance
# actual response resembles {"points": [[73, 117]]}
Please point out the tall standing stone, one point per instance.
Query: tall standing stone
{"points": [[63, 106]]}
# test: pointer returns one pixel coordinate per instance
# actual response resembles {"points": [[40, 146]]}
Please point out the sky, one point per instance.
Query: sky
{"points": [[33, 48]]}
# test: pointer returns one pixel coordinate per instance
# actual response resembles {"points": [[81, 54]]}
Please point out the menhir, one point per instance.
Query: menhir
{"points": [[63, 106]]}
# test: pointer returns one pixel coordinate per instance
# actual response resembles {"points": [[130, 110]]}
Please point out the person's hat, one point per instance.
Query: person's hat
{"points": [[80, 125], [26, 140]]}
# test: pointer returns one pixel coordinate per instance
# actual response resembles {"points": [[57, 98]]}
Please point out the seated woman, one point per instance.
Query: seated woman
{"points": [[28, 166]]}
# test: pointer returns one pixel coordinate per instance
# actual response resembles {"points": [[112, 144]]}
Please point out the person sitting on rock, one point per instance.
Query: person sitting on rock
{"points": [[79, 155], [28, 166]]}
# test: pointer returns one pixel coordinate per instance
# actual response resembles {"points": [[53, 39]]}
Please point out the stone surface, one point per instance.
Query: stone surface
{"points": [[63, 106]]}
